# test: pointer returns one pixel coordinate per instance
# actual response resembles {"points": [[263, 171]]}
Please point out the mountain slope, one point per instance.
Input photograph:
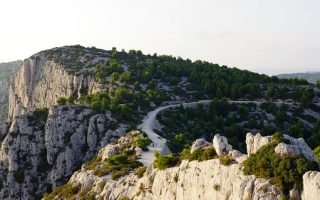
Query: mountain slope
{"points": [[311, 77], [94, 96]]}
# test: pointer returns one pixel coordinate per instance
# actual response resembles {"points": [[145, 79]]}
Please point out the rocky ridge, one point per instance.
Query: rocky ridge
{"points": [[48, 75], [193, 180]]}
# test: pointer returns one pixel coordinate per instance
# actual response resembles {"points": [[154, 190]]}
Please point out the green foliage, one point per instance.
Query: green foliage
{"points": [[142, 142], [225, 160], [66, 191], [61, 101], [316, 152], [88, 197], [285, 172], [91, 165], [198, 154], [165, 161], [124, 198], [140, 171], [118, 165], [277, 138], [70, 100]]}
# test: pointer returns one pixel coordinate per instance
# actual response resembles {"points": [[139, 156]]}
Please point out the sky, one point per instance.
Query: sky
{"points": [[265, 36]]}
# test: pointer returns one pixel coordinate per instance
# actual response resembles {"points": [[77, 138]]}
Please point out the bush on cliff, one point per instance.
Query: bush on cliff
{"points": [[285, 172], [165, 161]]}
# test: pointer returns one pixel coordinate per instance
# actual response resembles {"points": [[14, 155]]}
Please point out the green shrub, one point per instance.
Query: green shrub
{"points": [[225, 160], [165, 161], [124, 198], [70, 100], [118, 165], [88, 197], [61, 101], [316, 152], [142, 142], [198, 154], [140, 171], [91, 165], [284, 172], [66, 191], [277, 137]]}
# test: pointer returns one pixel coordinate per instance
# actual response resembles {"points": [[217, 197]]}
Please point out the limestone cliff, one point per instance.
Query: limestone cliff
{"points": [[42, 149], [7, 71], [189, 181], [195, 180], [50, 74]]}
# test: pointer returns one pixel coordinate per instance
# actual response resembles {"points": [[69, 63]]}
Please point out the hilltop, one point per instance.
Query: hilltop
{"points": [[311, 77], [74, 108]]}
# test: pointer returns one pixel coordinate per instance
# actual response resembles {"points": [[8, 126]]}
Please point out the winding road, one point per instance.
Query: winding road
{"points": [[159, 143]]}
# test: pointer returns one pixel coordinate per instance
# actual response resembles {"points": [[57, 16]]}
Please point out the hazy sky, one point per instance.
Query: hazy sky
{"points": [[267, 36]]}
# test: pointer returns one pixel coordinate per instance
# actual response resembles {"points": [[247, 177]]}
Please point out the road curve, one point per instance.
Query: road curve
{"points": [[159, 143]]}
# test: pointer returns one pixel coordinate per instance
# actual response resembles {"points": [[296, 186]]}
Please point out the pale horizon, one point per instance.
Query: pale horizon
{"points": [[270, 37]]}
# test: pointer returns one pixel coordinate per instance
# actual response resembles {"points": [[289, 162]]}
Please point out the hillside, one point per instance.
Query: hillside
{"points": [[311, 77], [75, 108], [7, 71]]}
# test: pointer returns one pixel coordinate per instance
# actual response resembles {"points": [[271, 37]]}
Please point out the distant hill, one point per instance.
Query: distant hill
{"points": [[7, 71], [311, 77]]}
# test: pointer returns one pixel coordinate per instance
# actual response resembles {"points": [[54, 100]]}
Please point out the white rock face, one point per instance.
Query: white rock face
{"points": [[199, 143], [311, 186], [7, 71], [40, 82], [194, 181], [221, 145], [296, 146], [38, 151], [254, 142]]}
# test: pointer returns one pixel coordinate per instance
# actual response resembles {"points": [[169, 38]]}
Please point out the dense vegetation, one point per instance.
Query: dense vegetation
{"points": [[184, 125], [311, 77], [132, 80], [285, 172]]}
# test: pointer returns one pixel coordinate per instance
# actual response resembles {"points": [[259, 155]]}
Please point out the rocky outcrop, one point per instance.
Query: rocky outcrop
{"points": [[42, 149], [48, 75], [289, 145], [311, 185], [295, 146], [188, 181], [221, 145], [191, 180], [254, 142], [199, 144]]}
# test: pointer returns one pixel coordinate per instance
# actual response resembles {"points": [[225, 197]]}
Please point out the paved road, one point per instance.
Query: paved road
{"points": [[159, 143]]}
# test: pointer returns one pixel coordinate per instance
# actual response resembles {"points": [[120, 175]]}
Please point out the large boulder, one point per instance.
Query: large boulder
{"points": [[199, 144], [221, 145], [254, 142], [311, 186], [295, 146]]}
